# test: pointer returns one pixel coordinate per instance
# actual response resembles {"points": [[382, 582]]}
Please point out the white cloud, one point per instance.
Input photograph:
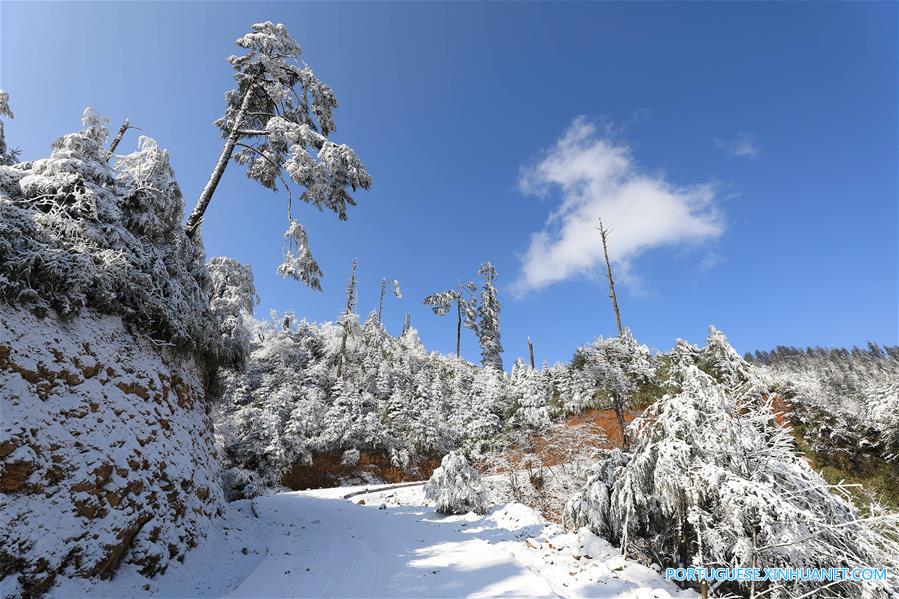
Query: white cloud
{"points": [[597, 178], [742, 147]]}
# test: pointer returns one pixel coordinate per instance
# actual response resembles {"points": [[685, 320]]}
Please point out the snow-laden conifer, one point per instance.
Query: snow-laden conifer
{"points": [[712, 479], [456, 488], [276, 123], [76, 231], [488, 319], [232, 298]]}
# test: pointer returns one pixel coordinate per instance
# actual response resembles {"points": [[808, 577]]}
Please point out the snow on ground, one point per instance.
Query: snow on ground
{"points": [[387, 544]]}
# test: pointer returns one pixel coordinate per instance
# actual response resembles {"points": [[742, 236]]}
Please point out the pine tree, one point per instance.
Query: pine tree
{"points": [[488, 319], [347, 318], [455, 487], [466, 302], [276, 122], [7, 155]]}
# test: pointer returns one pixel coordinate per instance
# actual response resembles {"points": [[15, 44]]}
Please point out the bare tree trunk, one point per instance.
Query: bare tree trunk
{"points": [[604, 233], [458, 327], [118, 137], [340, 356], [196, 216], [350, 301], [407, 323], [381, 303], [531, 350]]}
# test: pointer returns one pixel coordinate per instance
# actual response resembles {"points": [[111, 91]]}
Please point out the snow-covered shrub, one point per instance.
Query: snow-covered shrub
{"points": [[714, 480], [350, 457], [232, 297], [239, 483], [456, 488], [75, 233]]}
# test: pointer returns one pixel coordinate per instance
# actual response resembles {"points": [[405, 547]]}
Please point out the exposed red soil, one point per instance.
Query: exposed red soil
{"points": [[593, 427], [328, 470]]}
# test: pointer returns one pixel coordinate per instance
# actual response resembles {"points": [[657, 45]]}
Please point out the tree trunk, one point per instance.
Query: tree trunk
{"points": [[381, 303], [341, 358], [605, 250], [196, 216], [458, 327], [348, 313], [118, 137], [531, 350], [619, 415]]}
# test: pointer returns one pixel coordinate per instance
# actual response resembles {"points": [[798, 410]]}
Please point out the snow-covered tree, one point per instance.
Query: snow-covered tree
{"points": [[77, 232], [464, 296], [7, 155], [713, 480], [232, 299], [277, 122], [617, 366], [456, 488], [347, 318], [488, 319]]}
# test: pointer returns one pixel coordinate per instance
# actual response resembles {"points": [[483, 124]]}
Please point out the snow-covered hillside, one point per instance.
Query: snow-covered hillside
{"points": [[388, 544], [106, 452]]}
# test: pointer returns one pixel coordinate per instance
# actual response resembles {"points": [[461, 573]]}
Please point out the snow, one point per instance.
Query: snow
{"points": [[101, 431], [387, 544]]}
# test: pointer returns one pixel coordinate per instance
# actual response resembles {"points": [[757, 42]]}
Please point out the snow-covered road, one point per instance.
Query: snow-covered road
{"points": [[387, 544]]}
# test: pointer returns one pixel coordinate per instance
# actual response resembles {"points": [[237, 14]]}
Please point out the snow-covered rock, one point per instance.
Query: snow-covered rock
{"points": [[106, 450]]}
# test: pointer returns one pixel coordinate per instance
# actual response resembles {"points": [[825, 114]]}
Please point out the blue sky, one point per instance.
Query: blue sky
{"points": [[745, 155]]}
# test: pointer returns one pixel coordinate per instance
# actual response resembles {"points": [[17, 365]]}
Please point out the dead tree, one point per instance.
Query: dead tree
{"points": [[604, 234], [396, 292], [126, 124], [345, 318], [531, 350]]}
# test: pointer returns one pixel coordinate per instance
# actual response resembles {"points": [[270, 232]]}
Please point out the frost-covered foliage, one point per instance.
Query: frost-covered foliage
{"points": [[466, 300], [488, 319], [298, 262], [7, 155], [847, 401], [391, 396], [76, 232], [618, 366], [456, 488], [276, 122], [480, 314], [231, 300], [292, 402], [713, 479], [238, 483]]}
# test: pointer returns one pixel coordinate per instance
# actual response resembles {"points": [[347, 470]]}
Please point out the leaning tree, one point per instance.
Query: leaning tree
{"points": [[276, 123]]}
